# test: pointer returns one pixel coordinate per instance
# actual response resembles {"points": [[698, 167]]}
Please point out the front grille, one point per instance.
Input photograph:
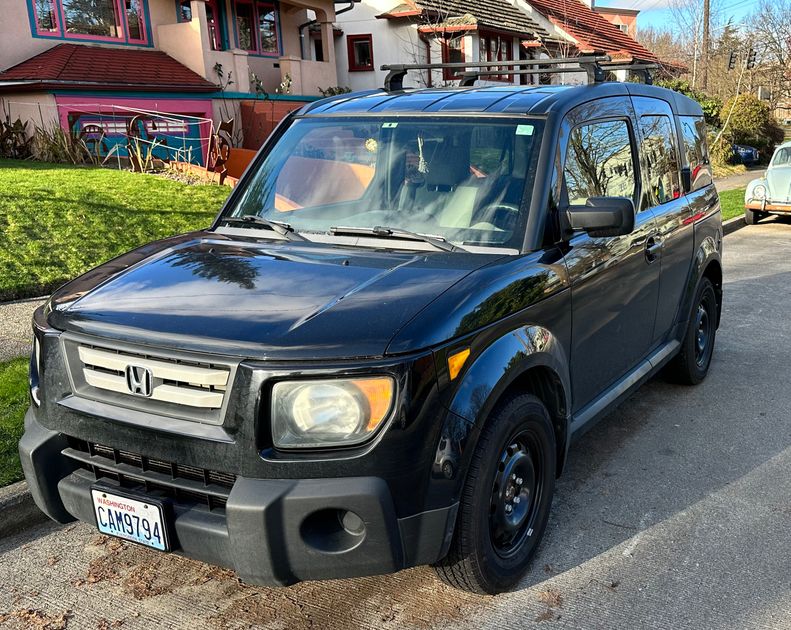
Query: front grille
{"points": [[183, 483], [171, 384]]}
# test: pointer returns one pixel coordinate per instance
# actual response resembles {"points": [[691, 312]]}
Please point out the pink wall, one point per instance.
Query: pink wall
{"points": [[108, 105]]}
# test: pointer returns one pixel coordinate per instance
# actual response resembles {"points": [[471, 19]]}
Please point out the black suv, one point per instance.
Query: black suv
{"points": [[379, 353]]}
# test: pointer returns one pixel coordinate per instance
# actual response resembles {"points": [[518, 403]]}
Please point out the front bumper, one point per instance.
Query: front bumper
{"points": [[271, 531]]}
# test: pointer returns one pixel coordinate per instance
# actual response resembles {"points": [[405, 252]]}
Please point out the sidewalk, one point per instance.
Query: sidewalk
{"points": [[740, 180], [15, 330]]}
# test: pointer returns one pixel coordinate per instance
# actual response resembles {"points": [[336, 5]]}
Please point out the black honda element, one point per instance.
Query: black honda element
{"points": [[379, 353]]}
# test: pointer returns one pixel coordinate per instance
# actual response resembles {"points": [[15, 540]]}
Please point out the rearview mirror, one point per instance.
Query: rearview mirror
{"points": [[603, 216]]}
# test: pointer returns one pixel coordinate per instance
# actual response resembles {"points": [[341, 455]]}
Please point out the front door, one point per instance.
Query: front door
{"points": [[614, 280]]}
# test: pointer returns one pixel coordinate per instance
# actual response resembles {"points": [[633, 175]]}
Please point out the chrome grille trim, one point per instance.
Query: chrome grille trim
{"points": [[183, 385]]}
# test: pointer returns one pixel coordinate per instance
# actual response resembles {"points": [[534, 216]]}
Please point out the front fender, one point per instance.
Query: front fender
{"points": [[481, 386]]}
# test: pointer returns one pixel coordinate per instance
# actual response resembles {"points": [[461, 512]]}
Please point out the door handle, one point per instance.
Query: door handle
{"points": [[653, 248]]}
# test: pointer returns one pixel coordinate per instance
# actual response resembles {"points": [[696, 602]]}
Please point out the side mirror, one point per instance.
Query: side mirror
{"points": [[603, 216], [686, 179]]}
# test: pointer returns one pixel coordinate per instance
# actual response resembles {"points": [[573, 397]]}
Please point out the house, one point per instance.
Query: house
{"points": [[620, 17], [179, 66], [425, 31]]}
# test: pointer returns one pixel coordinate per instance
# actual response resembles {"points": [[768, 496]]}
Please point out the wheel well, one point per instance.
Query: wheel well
{"points": [[713, 272], [545, 384]]}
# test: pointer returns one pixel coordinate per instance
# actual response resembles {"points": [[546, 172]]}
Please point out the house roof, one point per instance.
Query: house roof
{"points": [[592, 32], [84, 67], [499, 15]]}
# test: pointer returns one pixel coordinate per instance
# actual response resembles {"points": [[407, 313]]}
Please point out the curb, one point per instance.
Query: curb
{"points": [[18, 509], [731, 225]]}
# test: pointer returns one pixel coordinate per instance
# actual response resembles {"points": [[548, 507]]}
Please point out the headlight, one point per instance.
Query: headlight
{"points": [[759, 192], [332, 412]]}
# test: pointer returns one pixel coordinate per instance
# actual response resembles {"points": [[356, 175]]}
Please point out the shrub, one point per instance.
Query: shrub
{"points": [[752, 123], [334, 90], [712, 106]]}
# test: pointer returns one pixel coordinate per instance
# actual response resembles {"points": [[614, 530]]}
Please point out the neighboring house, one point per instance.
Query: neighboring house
{"points": [[84, 62], [622, 18], [425, 31], [432, 31]]}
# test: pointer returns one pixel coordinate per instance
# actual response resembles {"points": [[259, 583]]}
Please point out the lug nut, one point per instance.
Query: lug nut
{"points": [[517, 499], [519, 481], [508, 509]]}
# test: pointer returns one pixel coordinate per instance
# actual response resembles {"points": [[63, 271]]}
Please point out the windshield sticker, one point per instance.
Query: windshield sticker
{"points": [[371, 145], [524, 130], [389, 125]]}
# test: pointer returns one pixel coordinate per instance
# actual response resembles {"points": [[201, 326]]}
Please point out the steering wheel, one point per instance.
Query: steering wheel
{"points": [[502, 215]]}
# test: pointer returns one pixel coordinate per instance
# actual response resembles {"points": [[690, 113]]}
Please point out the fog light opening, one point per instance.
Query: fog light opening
{"points": [[333, 530]]}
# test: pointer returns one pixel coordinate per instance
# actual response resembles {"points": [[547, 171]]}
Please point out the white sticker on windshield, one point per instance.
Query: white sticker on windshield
{"points": [[389, 125], [524, 130]]}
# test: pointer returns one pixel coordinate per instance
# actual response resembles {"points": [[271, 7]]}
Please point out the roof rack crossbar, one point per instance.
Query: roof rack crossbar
{"points": [[595, 66]]}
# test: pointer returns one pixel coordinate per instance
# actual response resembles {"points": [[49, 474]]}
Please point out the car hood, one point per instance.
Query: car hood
{"points": [[779, 180], [258, 299]]}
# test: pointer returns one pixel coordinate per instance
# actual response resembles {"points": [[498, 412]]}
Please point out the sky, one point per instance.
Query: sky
{"points": [[656, 14]]}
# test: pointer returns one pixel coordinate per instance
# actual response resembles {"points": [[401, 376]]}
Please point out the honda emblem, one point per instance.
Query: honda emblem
{"points": [[139, 380]]}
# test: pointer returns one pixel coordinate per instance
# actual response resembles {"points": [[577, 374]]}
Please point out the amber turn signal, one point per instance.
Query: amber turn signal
{"points": [[457, 361], [379, 394]]}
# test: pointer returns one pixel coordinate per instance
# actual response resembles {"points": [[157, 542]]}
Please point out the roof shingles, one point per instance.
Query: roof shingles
{"points": [[79, 66], [591, 30]]}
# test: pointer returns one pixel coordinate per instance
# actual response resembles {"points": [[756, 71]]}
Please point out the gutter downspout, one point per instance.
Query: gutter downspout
{"points": [[302, 27]]}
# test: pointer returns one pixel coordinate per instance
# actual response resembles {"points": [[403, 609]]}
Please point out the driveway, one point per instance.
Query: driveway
{"points": [[675, 512]]}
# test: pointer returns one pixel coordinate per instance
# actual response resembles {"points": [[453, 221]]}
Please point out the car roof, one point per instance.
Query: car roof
{"points": [[512, 99]]}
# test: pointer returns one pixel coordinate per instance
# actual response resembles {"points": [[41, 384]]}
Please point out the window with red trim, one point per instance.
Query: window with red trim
{"points": [[92, 20], [257, 27], [361, 52], [184, 10], [495, 47], [452, 52]]}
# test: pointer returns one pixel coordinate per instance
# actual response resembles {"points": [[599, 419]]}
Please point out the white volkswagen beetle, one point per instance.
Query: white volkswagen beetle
{"points": [[770, 194]]}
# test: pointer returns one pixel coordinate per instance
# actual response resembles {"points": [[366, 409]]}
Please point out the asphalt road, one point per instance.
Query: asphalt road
{"points": [[674, 513], [15, 328]]}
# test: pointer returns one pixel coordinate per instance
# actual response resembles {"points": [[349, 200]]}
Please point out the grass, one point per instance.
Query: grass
{"points": [[13, 403], [58, 221], [732, 203]]}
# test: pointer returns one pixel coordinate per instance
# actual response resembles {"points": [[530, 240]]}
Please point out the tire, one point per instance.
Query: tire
{"points": [[515, 458], [751, 217], [691, 364]]}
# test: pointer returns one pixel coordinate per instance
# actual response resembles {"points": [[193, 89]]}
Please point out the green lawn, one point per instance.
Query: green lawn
{"points": [[13, 402], [58, 221], [732, 202]]}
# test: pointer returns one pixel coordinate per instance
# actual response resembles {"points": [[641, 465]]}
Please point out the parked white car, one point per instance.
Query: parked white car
{"points": [[770, 194]]}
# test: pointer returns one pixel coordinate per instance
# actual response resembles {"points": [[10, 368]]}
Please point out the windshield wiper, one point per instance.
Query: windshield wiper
{"points": [[389, 232], [284, 229]]}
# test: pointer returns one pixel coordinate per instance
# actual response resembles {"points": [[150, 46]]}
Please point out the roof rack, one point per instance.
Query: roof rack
{"points": [[595, 66]]}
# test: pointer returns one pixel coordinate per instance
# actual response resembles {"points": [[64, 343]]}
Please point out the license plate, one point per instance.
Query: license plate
{"points": [[140, 521]]}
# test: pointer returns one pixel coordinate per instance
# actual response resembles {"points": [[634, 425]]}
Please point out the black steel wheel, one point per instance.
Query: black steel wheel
{"points": [[691, 364], [506, 499]]}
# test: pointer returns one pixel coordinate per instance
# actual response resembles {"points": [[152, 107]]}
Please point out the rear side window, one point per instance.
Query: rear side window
{"points": [[697, 151], [662, 177], [599, 162]]}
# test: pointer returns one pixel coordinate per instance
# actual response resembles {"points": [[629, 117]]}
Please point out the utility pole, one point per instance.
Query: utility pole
{"points": [[704, 71]]}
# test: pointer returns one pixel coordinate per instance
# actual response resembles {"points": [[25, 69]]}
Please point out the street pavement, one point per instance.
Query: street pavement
{"points": [[675, 512]]}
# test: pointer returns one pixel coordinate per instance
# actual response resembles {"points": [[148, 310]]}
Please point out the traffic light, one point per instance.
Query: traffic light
{"points": [[751, 59], [732, 61]]}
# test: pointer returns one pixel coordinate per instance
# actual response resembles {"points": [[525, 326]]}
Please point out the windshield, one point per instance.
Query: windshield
{"points": [[782, 157], [461, 180]]}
